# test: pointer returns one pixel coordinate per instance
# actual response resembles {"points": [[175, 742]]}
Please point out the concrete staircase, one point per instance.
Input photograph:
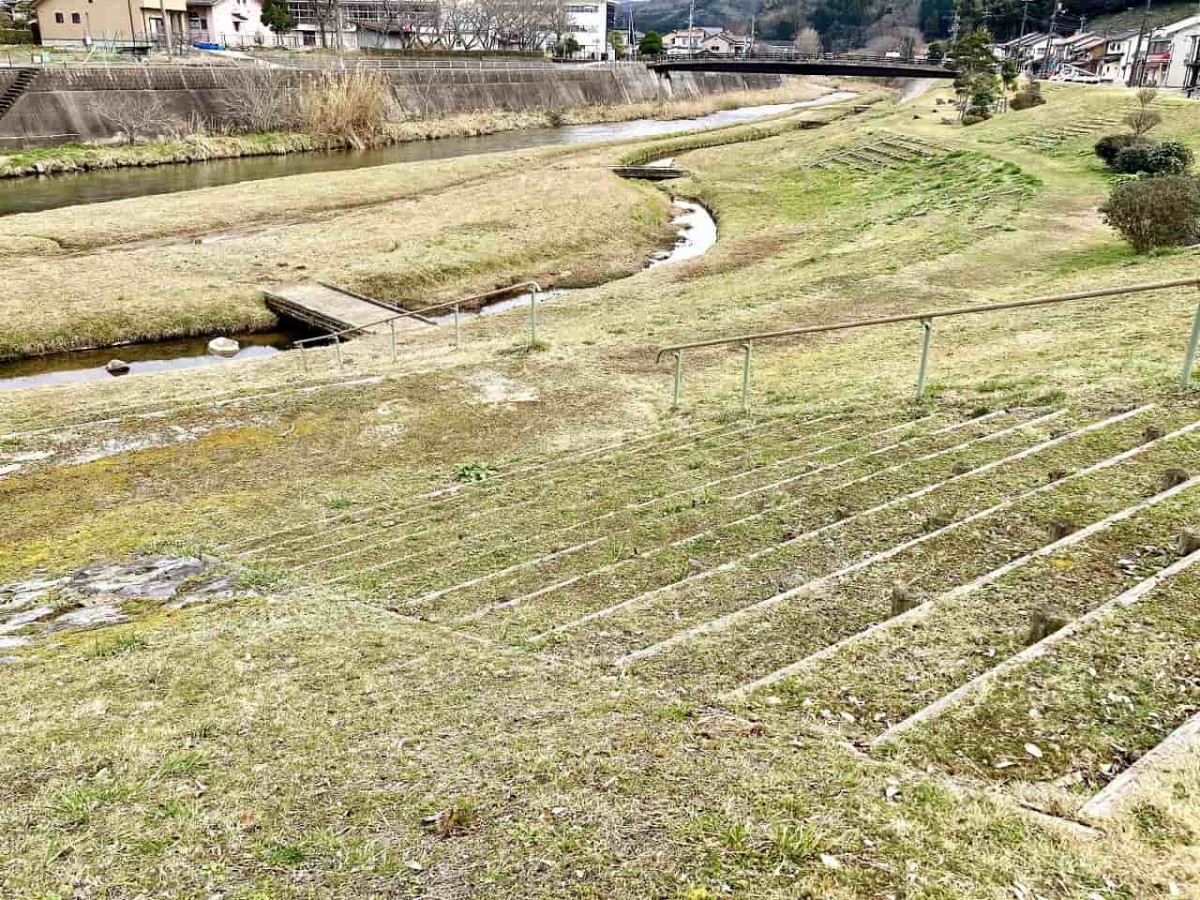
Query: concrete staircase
{"points": [[14, 91], [853, 574]]}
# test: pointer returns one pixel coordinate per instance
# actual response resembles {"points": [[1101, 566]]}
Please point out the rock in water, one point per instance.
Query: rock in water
{"points": [[224, 347], [117, 367]]}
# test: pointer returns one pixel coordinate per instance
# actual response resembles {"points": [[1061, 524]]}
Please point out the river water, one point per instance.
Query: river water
{"points": [[32, 194], [696, 228]]}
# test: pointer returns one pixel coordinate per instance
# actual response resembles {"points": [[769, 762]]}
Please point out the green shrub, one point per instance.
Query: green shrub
{"points": [[15, 36], [472, 472], [1028, 98], [1109, 146], [1167, 158], [1159, 211], [972, 118]]}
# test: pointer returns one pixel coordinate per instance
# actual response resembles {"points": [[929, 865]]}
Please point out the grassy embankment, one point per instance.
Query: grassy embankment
{"points": [[289, 745], [207, 146]]}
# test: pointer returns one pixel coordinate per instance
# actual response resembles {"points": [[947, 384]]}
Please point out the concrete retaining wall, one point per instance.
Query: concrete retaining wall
{"points": [[77, 104]]}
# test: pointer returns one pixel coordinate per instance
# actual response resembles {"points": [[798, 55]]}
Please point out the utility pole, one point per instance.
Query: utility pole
{"points": [[166, 24], [1050, 38], [692, 29], [1021, 39], [1134, 74], [954, 29]]}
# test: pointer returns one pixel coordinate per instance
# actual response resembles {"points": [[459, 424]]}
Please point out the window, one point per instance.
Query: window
{"points": [[76, 18], [58, 17]]}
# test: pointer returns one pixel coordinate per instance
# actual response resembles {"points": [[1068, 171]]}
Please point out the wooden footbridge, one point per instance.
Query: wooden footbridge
{"points": [[339, 310]]}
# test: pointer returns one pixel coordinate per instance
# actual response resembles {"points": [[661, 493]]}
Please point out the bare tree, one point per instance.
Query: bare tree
{"points": [[254, 101], [808, 42], [134, 117], [1144, 119]]}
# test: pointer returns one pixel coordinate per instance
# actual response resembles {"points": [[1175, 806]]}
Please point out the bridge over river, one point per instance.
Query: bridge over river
{"points": [[801, 64]]}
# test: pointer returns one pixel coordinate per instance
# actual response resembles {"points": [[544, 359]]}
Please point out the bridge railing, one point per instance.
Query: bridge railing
{"points": [[746, 341], [773, 54], [515, 290]]}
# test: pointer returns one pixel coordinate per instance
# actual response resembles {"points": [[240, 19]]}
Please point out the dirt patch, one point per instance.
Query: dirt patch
{"points": [[495, 388]]}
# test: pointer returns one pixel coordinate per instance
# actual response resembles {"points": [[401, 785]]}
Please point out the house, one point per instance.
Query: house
{"points": [[230, 23], [1172, 47], [1031, 46], [1086, 55], [127, 24], [1117, 60], [725, 44], [688, 41]]}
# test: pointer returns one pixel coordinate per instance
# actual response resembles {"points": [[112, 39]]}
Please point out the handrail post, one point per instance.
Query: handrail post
{"points": [[457, 331], [678, 379], [1190, 359], [533, 318], [393, 326], [926, 340], [337, 342], [746, 377]]}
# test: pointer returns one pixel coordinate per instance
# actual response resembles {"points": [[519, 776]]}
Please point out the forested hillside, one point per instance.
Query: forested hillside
{"points": [[879, 24]]}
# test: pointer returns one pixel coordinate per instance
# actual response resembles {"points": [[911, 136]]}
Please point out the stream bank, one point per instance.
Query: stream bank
{"points": [[696, 233], [102, 185]]}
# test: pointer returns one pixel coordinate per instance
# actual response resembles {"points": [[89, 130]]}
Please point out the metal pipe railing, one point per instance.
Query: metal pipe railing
{"points": [[532, 287], [927, 319]]}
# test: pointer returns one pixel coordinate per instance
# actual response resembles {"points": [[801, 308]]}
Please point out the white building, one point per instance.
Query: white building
{"points": [[231, 23], [1171, 49], [591, 24]]}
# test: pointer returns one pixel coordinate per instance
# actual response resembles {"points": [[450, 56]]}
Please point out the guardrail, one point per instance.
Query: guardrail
{"points": [[515, 290], [780, 55], [927, 319]]}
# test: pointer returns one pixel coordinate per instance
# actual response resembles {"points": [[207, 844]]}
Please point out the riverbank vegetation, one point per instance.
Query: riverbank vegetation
{"points": [[266, 136], [377, 231], [318, 733]]}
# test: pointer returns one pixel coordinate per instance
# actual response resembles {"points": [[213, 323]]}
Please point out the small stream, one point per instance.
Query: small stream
{"points": [[31, 194], [144, 359], [696, 232]]}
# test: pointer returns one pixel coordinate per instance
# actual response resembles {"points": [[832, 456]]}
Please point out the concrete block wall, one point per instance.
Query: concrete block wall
{"points": [[71, 104]]}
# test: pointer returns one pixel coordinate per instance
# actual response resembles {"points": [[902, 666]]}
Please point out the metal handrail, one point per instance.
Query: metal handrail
{"points": [[532, 287], [774, 55], [926, 319]]}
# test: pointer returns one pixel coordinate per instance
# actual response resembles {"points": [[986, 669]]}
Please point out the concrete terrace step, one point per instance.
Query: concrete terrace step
{"points": [[774, 636], [816, 523], [891, 669], [654, 536], [661, 471], [588, 477], [1091, 699], [433, 503], [756, 523], [688, 631], [603, 513]]}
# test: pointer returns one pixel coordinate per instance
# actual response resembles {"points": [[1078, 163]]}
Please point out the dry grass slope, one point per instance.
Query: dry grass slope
{"points": [[655, 654]]}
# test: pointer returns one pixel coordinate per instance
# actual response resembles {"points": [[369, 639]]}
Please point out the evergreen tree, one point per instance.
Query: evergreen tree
{"points": [[275, 15], [651, 44]]}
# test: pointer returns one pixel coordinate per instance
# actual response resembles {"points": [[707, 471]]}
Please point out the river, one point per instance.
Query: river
{"points": [[23, 195]]}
